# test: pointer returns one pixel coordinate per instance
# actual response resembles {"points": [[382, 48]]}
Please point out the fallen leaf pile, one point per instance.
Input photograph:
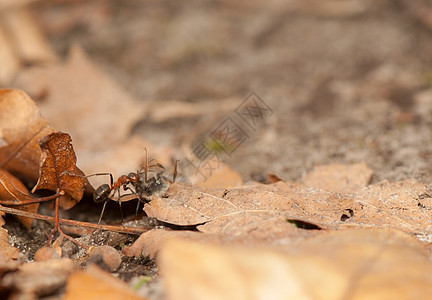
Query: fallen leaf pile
{"points": [[241, 210], [31, 150], [337, 233], [292, 241], [331, 236], [333, 232]]}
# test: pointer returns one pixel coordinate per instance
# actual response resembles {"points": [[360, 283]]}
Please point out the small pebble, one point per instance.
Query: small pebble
{"points": [[47, 253], [110, 257]]}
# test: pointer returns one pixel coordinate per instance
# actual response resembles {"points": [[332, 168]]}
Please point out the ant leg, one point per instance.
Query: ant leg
{"points": [[119, 202], [160, 166], [166, 179], [125, 188], [138, 204], [111, 180], [100, 174], [102, 212], [174, 173], [158, 174], [146, 166], [134, 192]]}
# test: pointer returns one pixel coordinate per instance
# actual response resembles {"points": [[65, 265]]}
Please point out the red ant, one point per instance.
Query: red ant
{"points": [[107, 192], [144, 188]]}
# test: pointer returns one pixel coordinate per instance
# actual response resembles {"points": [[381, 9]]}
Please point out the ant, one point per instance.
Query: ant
{"points": [[107, 192], [144, 188], [155, 186]]}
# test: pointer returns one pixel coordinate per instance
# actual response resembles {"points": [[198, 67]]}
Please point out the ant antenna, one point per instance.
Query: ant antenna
{"points": [[175, 171]]}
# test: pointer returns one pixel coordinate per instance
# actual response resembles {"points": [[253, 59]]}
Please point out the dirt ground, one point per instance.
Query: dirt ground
{"points": [[346, 81]]}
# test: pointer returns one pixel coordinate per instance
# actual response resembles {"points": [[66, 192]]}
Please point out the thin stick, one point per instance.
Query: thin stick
{"points": [[35, 200], [121, 229]]}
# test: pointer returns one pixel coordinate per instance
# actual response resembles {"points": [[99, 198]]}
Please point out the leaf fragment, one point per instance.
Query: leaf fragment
{"points": [[7, 251], [238, 210], [94, 283], [21, 127], [223, 177], [339, 178], [13, 190], [403, 205], [38, 278], [345, 264], [58, 170]]}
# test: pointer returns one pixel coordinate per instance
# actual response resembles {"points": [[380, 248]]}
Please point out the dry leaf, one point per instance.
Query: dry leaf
{"points": [[223, 177], [359, 264], [339, 178], [404, 205], [25, 36], [195, 271], [58, 170], [273, 178], [7, 251], [277, 232], [150, 242], [239, 210], [93, 283], [7, 266], [21, 127], [8, 60], [38, 278], [13, 190], [377, 263]]}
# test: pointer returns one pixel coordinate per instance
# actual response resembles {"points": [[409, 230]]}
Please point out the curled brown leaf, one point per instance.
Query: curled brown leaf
{"points": [[13, 191], [58, 170]]}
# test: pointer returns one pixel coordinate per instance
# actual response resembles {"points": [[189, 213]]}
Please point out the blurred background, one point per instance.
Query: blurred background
{"points": [[347, 80]]}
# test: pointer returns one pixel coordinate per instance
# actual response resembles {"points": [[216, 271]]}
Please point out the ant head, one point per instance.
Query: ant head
{"points": [[133, 176]]}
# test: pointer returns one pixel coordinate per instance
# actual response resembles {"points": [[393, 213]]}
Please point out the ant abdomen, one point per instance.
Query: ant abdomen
{"points": [[102, 193]]}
